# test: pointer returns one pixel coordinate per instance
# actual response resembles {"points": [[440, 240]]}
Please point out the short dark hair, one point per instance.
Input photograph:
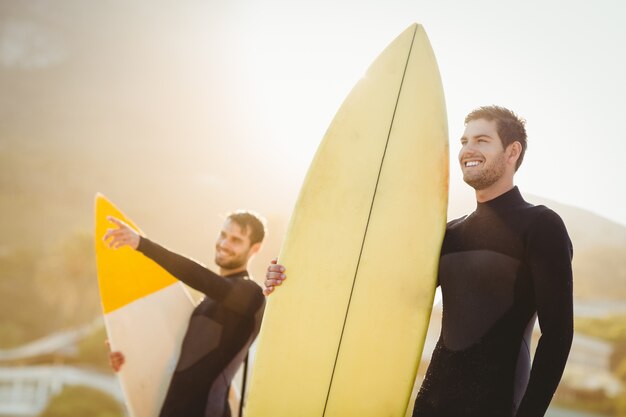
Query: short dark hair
{"points": [[250, 222], [510, 126]]}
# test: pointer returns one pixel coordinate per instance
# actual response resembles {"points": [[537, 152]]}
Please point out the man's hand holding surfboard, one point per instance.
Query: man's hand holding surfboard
{"points": [[274, 276], [116, 359], [124, 235]]}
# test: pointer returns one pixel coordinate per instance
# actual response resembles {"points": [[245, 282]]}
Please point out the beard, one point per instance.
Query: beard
{"points": [[232, 263], [487, 176]]}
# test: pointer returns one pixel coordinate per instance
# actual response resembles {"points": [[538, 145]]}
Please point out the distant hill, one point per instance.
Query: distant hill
{"points": [[599, 252], [588, 229]]}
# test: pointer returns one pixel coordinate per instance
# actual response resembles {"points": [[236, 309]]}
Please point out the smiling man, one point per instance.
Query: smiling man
{"points": [[501, 267], [222, 327]]}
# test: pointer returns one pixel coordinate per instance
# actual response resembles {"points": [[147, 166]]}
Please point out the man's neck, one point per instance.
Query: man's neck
{"points": [[226, 272], [496, 190]]}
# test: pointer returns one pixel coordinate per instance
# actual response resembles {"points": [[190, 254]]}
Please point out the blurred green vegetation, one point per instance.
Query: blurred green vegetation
{"points": [[82, 401], [43, 292], [93, 351], [595, 403], [613, 330], [17, 287], [609, 328]]}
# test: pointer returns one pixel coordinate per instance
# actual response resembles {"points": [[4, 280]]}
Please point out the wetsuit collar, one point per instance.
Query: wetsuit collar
{"points": [[242, 274], [510, 199]]}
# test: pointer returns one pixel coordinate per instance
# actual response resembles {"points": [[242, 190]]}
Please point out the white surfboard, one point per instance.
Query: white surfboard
{"points": [[146, 311]]}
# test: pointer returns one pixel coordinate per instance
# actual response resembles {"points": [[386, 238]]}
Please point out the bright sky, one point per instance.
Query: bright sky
{"points": [[259, 81], [559, 64]]}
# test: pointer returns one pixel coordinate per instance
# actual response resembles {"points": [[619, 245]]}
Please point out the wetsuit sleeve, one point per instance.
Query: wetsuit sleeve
{"points": [[550, 259], [238, 295]]}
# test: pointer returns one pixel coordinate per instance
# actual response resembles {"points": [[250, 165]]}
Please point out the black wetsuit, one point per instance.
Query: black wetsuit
{"points": [[501, 266], [220, 331]]}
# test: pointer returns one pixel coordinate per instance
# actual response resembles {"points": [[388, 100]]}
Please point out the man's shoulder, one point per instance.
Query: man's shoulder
{"points": [[543, 214], [246, 295], [247, 281], [251, 282], [546, 225], [452, 223], [540, 212], [246, 284]]}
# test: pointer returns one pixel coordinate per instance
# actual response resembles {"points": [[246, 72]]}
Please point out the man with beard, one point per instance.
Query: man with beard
{"points": [[222, 327], [501, 266]]}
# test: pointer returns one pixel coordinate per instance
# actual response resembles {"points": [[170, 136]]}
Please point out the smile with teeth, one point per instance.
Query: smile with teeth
{"points": [[221, 251], [472, 163]]}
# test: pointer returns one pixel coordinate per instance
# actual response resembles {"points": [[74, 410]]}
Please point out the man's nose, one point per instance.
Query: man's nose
{"points": [[225, 244], [469, 148]]}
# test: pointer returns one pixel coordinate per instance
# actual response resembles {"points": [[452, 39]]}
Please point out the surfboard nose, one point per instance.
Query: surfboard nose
{"points": [[372, 209]]}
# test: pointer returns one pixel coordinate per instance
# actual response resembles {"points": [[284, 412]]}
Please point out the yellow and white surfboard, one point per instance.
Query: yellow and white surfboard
{"points": [[343, 335], [146, 311]]}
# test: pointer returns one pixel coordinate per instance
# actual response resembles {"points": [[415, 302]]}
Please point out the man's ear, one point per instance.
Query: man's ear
{"points": [[255, 248], [514, 150]]}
